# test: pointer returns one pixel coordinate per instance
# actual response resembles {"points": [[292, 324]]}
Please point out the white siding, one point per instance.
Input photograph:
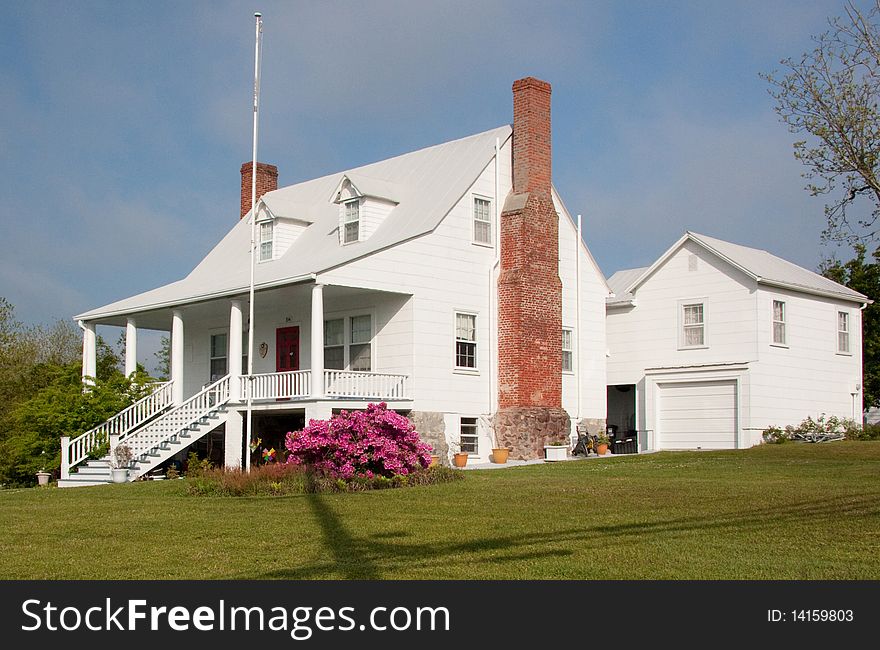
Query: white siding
{"points": [[372, 213], [591, 360], [286, 232], [647, 335], [807, 376], [445, 272]]}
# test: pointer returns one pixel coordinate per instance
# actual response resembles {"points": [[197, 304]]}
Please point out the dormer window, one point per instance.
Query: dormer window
{"points": [[351, 222], [267, 237]]}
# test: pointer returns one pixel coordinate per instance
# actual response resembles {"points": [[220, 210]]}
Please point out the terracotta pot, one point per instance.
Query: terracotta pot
{"points": [[603, 449], [435, 460], [500, 455], [459, 459]]}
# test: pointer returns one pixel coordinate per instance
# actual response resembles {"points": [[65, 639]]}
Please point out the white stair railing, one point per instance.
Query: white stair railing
{"points": [[170, 425], [75, 451], [371, 385], [278, 385]]}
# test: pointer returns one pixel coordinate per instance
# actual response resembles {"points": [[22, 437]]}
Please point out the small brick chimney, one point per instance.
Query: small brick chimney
{"points": [[529, 289], [267, 180]]}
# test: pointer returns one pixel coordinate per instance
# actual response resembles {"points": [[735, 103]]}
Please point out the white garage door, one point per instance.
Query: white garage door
{"points": [[697, 415]]}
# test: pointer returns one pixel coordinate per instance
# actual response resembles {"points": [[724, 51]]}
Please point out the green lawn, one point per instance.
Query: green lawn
{"points": [[778, 511]]}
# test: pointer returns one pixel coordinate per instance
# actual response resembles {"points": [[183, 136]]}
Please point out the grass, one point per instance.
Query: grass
{"points": [[776, 511]]}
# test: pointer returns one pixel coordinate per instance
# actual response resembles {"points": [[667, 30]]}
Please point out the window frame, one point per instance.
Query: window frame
{"points": [[475, 342], [271, 241], [569, 350], [212, 357], [847, 331], [345, 222], [475, 436], [346, 318], [489, 222], [682, 338], [773, 323]]}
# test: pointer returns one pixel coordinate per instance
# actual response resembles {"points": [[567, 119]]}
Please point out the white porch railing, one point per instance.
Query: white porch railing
{"points": [[365, 385], [278, 385], [123, 423], [178, 419], [348, 384]]}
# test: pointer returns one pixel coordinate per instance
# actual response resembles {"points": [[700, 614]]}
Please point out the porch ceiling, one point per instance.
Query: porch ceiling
{"points": [[217, 310]]}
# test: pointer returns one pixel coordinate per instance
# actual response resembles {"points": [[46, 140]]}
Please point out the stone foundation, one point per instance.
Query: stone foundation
{"points": [[526, 429], [432, 431], [591, 426]]}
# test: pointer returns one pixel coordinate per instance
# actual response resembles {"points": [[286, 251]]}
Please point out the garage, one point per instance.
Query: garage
{"points": [[697, 415]]}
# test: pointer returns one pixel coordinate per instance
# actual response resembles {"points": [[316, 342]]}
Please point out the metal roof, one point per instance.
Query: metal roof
{"points": [[426, 185], [764, 267]]}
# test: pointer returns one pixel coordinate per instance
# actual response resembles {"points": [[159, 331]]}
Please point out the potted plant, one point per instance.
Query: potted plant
{"points": [[556, 450], [119, 463], [602, 442], [500, 455], [459, 457], [43, 477]]}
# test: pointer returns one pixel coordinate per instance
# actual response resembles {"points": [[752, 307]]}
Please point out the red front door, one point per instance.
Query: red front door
{"points": [[287, 349]]}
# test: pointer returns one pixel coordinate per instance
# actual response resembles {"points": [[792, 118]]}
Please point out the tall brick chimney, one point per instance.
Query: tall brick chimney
{"points": [[529, 289], [267, 180]]}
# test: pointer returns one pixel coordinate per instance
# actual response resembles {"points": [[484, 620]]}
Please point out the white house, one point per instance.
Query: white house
{"points": [[715, 342], [379, 283]]}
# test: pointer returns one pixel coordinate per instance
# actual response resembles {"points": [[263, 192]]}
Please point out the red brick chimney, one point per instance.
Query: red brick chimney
{"points": [[529, 290], [267, 180]]}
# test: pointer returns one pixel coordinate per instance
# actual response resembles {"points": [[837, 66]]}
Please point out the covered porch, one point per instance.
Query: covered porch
{"points": [[312, 342]]}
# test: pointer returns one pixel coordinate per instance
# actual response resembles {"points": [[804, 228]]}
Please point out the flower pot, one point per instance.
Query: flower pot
{"points": [[459, 459], [500, 455], [553, 453], [119, 475], [43, 478], [602, 449], [435, 460]]}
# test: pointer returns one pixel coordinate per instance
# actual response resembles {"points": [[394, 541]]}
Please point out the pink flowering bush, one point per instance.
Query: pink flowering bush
{"points": [[360, 444]]}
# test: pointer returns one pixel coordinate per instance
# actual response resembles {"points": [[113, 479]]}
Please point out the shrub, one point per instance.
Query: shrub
{"points": [[821, 425], [867, 432], [360, 445], [273, 479], [428, 476], [196, 467], [279, 479]]}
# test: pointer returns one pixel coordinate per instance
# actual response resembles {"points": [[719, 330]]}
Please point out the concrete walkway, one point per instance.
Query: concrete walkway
{"points": [[520, 463]]}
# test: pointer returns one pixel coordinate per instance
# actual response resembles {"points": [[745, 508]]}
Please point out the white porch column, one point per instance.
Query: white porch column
{"points": [[235, 352], [90, 353], [177, 357], [131, 342], [233, 440], [318, 341]]}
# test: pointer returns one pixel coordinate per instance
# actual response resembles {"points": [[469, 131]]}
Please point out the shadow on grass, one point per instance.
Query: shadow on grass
{"points": [[369, 557]]}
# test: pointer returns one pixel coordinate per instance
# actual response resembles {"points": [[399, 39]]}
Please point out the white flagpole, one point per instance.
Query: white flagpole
{"points": [[250, 369]]}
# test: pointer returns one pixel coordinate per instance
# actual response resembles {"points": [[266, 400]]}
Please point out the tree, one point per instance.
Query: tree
{"points": [[831, 94], [163, 357], [863, 277]]}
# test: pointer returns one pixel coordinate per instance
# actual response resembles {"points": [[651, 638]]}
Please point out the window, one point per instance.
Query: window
{"points": [[693, 324], [843, 332], [267, 233], [465, 340], [567, 356], [218, 356], [469, 441], [779, 322], [244, 353], [334, 344], [351, 221], [360, 349], [482, 221]]}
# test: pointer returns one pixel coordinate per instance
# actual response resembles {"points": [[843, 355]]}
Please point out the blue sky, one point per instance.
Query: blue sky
{"points": [[125, 123]]}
